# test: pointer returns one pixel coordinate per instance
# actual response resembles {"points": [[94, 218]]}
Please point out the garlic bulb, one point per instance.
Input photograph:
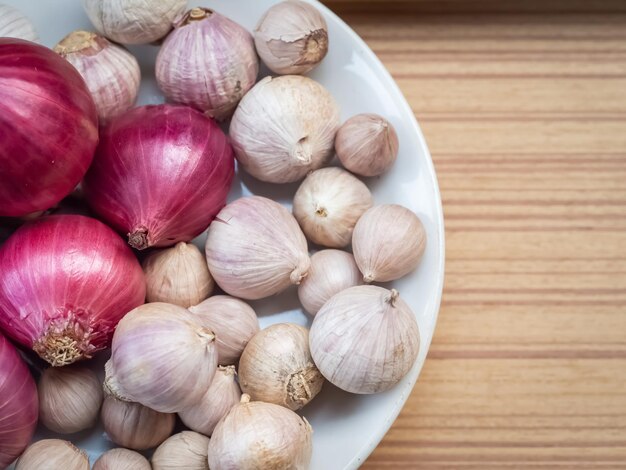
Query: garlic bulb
{"points": [[276, 367], [52, 454], [257, 435], [388, 242], [111, 72], [161, 358], [364, 339], [133, 21], [255, 248], [222, 395], [183, 451], [328, 204], [13, 24], [135, 426], [331, 272], [292, 37], [177, 275], [69, 399], [122, 459], [207, 62], [367, 144], [232, 320], [284, 128]]}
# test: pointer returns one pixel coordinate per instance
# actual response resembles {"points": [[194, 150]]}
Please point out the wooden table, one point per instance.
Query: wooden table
{"points": [[523, 105]]}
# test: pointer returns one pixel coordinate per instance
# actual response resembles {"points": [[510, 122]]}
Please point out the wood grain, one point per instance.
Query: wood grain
{"points": [[525, 115]]}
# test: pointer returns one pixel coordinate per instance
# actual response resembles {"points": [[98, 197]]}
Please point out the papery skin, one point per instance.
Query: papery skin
{"points": [[161, 358], [331, 272], [255, 248], [261, 435], [284, 128], [328, 204], [121, 459], [364, 339], [276, 367], [13, 24], [160, 175], [18, 405], [133, 21], [367, 144], [186, 450], [292, 37], [209, 63], [53, 454], [388, 242], [48, 128], [65, 282], [111, 73], [135, 426], [232, 320]]}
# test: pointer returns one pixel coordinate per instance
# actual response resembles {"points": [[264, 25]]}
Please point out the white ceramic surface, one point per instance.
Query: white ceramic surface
{"points": [[347, 427]]}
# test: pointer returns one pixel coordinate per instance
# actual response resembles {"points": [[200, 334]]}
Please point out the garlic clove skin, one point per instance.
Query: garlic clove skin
{"points": [[367, 144], [183, 451], [218, 73], [177, 275], [232, 320], [135, 426], [222, 395], [284, 128], [133, 21], [388, 242], [364, 339], [121, 459], [69, 399], [292, 37], [328, 204], [52, 454], [161, 358], [13, 24], [331, 272], [257, 435], [255, 248], [277, 367], [111, 73]]}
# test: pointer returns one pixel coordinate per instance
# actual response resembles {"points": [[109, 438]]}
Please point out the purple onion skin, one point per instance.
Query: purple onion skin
{"points": [[48, 128], [160, 175], [64, 279], [19, 406]]}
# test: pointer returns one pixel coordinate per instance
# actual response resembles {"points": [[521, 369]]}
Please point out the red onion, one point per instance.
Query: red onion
{"points": [[19, 406], [48, 128], [160, 175], [65, 282]]}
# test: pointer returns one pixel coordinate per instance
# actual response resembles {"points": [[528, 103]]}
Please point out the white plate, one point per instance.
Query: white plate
{"points": [[347, 427]]}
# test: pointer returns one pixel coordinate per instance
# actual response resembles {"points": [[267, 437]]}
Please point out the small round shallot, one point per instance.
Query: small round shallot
{"points": [[364, 339], [49, 454], [292, 37], [276, 367], [135, 426], [328, 204], [284, 127], [111, 72], [121, 459], [331, 272], [232, 320], [367, 144], [69, 399], [183, 451], [388, 242], [257, 435], [177, 275]]}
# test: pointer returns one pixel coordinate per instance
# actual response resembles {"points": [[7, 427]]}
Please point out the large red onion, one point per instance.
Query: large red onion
{"points": [[48, 127], [160, 175], [19, 406], [65, 282]]}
